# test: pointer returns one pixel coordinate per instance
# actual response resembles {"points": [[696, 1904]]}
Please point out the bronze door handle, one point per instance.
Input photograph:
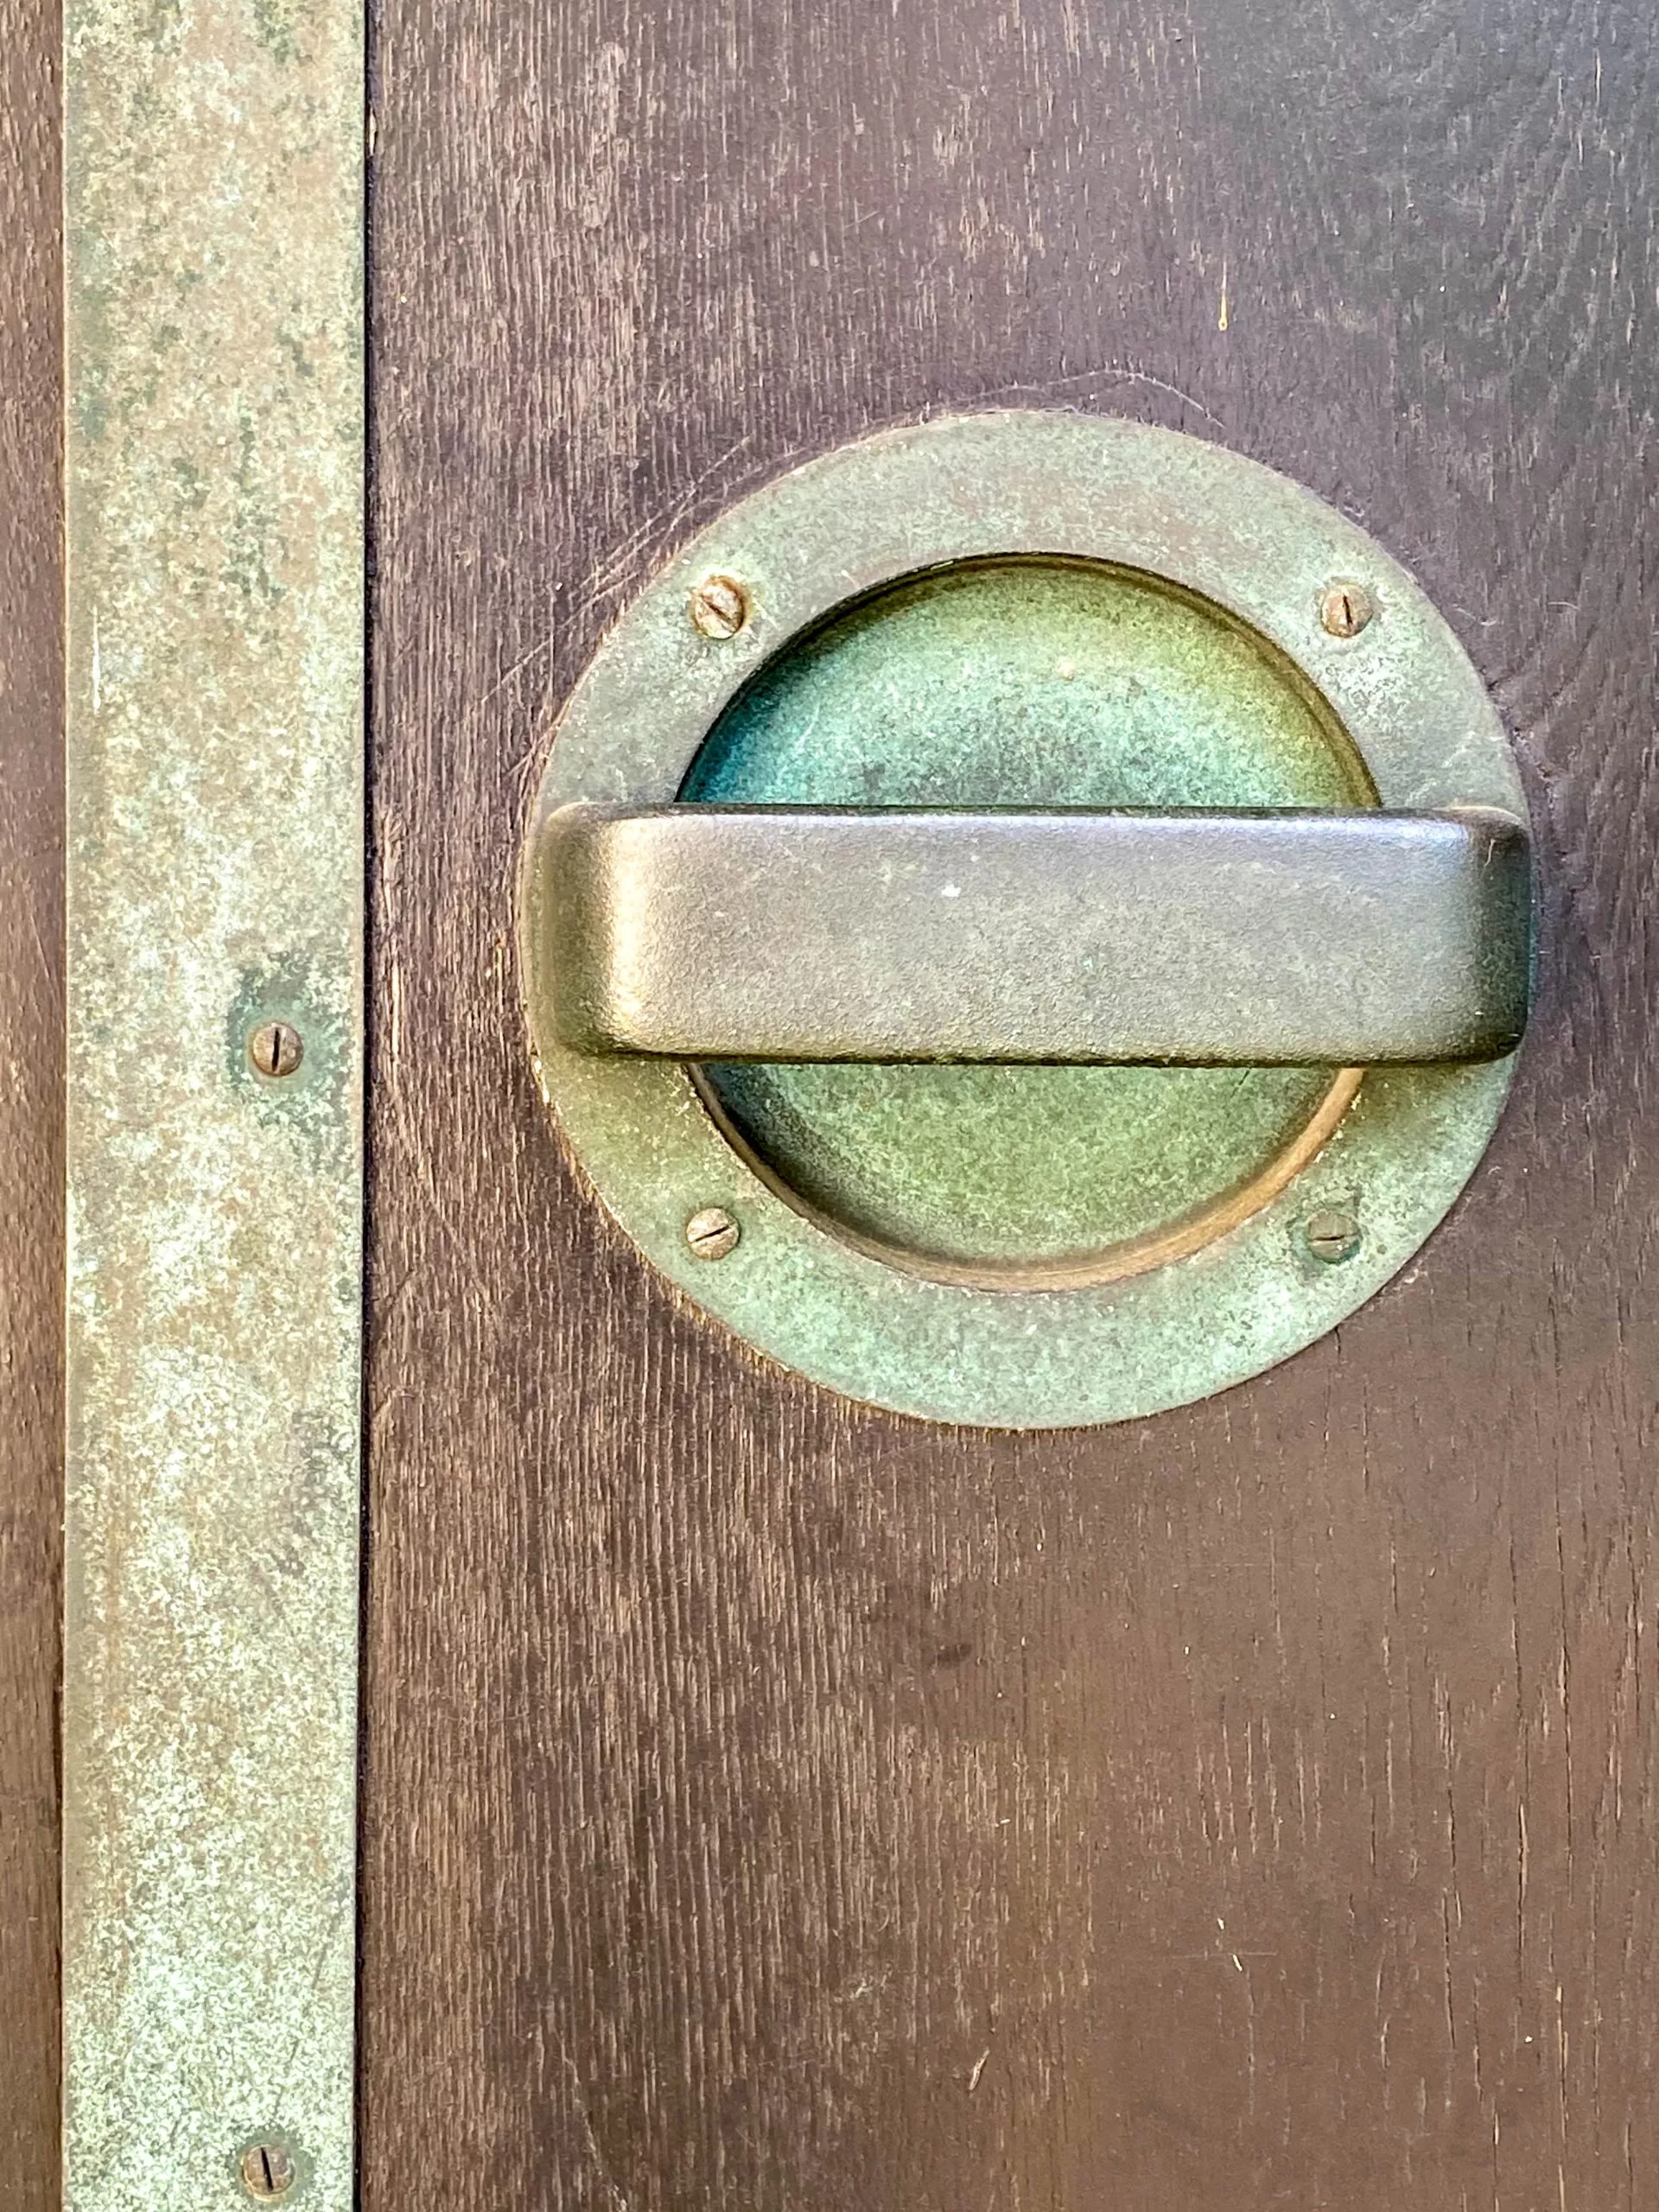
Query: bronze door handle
{"points": [[1244, 938]]}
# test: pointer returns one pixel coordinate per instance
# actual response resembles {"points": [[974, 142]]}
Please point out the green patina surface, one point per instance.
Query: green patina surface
{"points": [[809, 550], [214, 469], [1037, 684]]}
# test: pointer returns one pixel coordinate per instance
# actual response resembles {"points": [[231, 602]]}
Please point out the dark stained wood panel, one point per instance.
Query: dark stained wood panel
{"points": [[769, 1803], [31, 1115]]}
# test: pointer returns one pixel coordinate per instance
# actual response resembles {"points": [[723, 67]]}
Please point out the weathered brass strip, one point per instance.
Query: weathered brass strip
{"points": [[214, 453], [1243, 939]]}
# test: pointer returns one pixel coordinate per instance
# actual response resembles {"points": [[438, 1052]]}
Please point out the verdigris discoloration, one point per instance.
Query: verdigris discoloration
{"points": [[214, 471], [1218, 1293]]}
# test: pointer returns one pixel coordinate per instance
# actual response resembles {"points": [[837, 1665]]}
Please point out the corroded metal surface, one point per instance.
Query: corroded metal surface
{"points": [[215, 470], [1062, 939], [1208, 1289], [1090, 688]]}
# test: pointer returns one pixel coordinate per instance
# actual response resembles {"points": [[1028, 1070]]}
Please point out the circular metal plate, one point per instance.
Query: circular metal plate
{"points": [[954, 1333]]}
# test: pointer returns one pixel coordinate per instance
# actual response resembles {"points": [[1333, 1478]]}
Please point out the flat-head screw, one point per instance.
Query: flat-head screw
{"points": [[720, 607], [267, 2171], [1332, 1236], [1345, 609], [712, 1232], [275, 1048]]}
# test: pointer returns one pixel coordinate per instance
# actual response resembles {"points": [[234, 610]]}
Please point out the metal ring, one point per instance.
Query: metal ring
{"points": [[1235, 535]]}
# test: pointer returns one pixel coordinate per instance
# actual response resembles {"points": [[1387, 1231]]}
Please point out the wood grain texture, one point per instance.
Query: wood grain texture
{"points": [[772, 1804], [31, 1116]]}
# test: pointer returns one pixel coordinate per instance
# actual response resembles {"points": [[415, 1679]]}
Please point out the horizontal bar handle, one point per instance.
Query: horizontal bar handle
{"points": [[1249, 939]]}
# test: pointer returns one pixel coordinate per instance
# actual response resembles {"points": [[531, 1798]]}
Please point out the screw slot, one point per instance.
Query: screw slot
{"points": [[275, 1048], [720, 607], [1332, 1236], [712, 1232], [267, 2171], [1345, 609]]}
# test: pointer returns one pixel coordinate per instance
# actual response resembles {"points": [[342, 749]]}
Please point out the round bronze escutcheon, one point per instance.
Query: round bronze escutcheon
{"points": [[1030, 611]]}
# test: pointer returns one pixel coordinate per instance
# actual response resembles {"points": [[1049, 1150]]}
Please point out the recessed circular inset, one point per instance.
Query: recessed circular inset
{"points": [[1028, 612], [1090, 687]]}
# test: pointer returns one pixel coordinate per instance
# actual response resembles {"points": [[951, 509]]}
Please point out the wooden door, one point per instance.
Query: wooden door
{"points": [[31, 1099], [776, 1805]]}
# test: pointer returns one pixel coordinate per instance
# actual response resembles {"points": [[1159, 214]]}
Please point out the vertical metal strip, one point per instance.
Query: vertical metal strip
{"points": [[215, 560]]}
